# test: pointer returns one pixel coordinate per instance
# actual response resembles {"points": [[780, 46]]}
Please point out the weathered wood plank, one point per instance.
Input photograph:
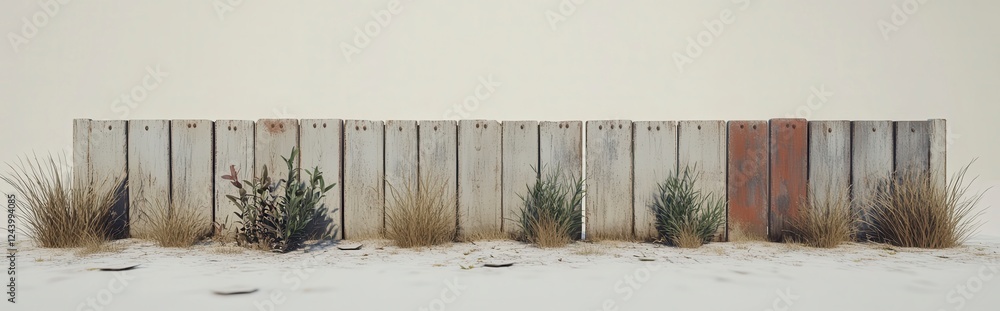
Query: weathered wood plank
{"points": [[479, 169], [401, 152], [234, 150], [829, 161], [609, 180], [108, 161], [748, 188], [81, 151], [192, 172], [789, 173], [274, 140], [654, 159], [438, 159], [560, 147], [520, 160], [871, 165], [364, 205], [149, 173], [939, 152], [321, 144], [913, 147], [702, 144]]}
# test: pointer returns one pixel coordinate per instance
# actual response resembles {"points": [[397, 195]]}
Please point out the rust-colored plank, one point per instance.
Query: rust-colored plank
{"points": [[789, 172], [748, 184]]}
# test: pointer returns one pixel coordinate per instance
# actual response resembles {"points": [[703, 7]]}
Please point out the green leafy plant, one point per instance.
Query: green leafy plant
{"points": [[686, 217], [552, 214], [274, 215]]}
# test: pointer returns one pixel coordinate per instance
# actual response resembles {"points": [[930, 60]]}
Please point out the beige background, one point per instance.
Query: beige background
{"points": [[600, 60]]}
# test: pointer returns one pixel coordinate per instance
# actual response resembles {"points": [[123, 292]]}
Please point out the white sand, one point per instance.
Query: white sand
{"points": [[584, 276]]}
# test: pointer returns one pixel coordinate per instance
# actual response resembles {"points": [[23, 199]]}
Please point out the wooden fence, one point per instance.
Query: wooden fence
{"points": [[765, 169]]}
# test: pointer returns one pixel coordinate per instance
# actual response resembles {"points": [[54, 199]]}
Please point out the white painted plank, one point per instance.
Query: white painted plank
{"points": [[913, 147], [81, 151], [479, 170], [871, 164], [829, 160], [192, 171], [401, 153], [274, 140], [321, 143], [609, 180], [108, 161], [148, 171], [939, 152], [520, 159], [561, 147], [438, 157], [655, 158], [364, 206], [234, 150], [702, 144]]}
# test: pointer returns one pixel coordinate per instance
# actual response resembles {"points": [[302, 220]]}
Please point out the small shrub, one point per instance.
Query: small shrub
{"points": [[420, 215], [274, 215], [910, 211], [175, 225], [552, 214], [825, 222], [686, 217], [738, 233], [61, 213]]}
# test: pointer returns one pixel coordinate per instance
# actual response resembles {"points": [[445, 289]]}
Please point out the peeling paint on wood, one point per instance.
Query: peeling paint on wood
{"points": [[789, 173], [320, 141], [609, 180], [703, 144], [871, 164], [479, 169], [520, 159], [748, 187], [234, 148], [108, 160], [192, 169], [654, 159], [364, 205], [148, 171], [829, 161]]}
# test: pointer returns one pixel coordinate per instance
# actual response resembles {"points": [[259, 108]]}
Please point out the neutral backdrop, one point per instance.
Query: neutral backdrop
{"points": [[536, 60]]}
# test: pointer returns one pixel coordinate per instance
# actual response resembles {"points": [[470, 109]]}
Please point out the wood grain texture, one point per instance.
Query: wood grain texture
{"points": [[192, 169], [438, 159], [702, 144], [321, 144], [829, 161], [654, 159], [479, 169], [939, 152], [789, 173], [81, 151], [275, 139], [109, 161], [234, 149], [609, 180], [913, 147], [148, 171], [748, 187], [871, 165], [560, 147], [401, 152], [364, 205], [520, 159]]}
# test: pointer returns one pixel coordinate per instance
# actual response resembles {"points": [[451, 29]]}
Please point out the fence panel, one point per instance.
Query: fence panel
{"points": [[364, 205], [321, 141], [520, 159], [702, 144], [192, 169], [234, 150], [148, 171], [749, 170], [654, 159], [609, 179], [789, 173], [479, 170]]}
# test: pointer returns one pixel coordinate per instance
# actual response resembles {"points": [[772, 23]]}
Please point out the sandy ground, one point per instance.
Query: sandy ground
{"points": [[583, 276]]}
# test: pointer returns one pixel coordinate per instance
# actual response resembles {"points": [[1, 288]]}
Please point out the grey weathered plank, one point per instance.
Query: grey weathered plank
{"points": [[939, 152], [401, 153], [81, 151], [609, 180], [321, 144], [234, 150], [560, 147], [274, 140], [108, 161], [364, 205], [871, 164], [520, 160], [438, 160], [479, 169], [149, 172], [913, 147], [702, 144], [829, 161], [654, 159], [192, 174]]}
